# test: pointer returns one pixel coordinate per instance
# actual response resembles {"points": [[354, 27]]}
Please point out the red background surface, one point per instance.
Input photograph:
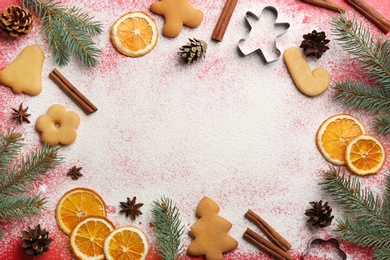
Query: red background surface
{"points": [[59, 248]]}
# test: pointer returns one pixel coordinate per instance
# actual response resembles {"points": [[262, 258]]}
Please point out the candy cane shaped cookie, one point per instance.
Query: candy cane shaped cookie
{"points": [[310, 83]]}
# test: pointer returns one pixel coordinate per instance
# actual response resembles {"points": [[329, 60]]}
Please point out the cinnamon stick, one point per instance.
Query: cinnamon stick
{"points": [[370, 13], [327, 4], [224, 20], [270, 232], [72, 92], [267, 246]]}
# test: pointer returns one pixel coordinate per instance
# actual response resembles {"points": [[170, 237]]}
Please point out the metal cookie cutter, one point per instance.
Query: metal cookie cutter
{"points": [[264, 30], [319, 241]]}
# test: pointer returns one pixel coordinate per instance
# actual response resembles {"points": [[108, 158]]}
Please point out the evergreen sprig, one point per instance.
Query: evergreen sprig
{"points": [[68, 30], [372, 52], [362, 96], [382, 124], [368, 218], [13, 207], [10, 145], [166, 220], [17, 177]]}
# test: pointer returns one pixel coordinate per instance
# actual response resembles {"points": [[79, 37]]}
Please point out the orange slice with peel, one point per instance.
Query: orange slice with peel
{"points": [[126, 243], [365, 155], [134, 34], [334, 134], [88, 236], [77, 204]]}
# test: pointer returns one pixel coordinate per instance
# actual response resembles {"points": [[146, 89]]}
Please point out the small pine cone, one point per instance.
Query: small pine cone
{"points": [[16, 21], [36, 241], [314, 44], [194, 50], [320, 215]]}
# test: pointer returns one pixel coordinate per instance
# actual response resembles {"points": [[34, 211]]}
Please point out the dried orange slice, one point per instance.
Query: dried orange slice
{"points": [[334, 134], [126, 243], [77, 204], [365, 155], [134, 34], [87, 237]]}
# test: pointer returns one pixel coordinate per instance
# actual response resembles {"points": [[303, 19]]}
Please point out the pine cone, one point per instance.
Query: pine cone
{"points": [[320, 215], [36, 241], [16, 21], [194, 50], [314, 44]]}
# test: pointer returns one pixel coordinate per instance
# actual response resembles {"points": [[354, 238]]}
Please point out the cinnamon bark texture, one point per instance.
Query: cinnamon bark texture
{"points": [[72, 92], [224, 20], [266, 246], [271, 233], [327, 4], [371, 14]]}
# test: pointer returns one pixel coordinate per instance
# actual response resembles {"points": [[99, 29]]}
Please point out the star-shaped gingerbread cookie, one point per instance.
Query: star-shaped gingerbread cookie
{"points": [[177, 13]]}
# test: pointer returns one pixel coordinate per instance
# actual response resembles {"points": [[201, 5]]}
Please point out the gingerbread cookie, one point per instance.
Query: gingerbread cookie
{"points": [[24, 74], [210, 232], [310, 83], [177, 13], [58, 126]]}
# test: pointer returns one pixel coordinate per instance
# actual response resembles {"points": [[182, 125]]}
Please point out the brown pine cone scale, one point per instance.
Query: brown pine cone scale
{"points": [[314, 44], [36, 241], [16, 21], [320, 214]]}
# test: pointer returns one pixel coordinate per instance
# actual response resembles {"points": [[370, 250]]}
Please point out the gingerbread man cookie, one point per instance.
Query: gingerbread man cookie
{"points": [[58, 126], [177, 13], [210, 232], [24, 74]]}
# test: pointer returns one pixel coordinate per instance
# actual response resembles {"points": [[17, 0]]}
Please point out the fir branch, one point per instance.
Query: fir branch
{"points": [[10, 145], [382, 254], [16, 207], [371, 51], [367, 224], [363, 234], [382, 124], [32, 167], [169, 228], [68, 30], [386, 199], [362, 96]]}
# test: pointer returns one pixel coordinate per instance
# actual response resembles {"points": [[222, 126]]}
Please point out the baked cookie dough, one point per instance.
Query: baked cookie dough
{"points": [[24, 74], [310, 83], [58, 126]]}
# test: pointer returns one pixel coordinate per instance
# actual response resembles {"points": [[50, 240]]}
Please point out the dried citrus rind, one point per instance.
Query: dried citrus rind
{"points": [[134, 34], [77, 204], [365, 155], [334, 134], [88, 236], [126, 243]]}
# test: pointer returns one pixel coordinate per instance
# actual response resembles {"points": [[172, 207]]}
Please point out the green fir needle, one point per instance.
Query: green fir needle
{"points": [[68, 30], [166, 220]]}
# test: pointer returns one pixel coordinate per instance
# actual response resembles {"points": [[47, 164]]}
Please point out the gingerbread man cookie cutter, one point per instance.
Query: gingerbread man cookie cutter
{"points": [[264, 31], [323, 242]]}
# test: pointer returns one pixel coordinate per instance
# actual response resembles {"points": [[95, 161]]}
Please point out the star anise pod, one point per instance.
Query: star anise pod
{"points": [[74, 172], [20, 114], [131, 208]]}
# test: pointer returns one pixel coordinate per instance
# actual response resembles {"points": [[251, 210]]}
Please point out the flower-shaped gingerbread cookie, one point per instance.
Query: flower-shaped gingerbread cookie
{"points": [[58, 126]]}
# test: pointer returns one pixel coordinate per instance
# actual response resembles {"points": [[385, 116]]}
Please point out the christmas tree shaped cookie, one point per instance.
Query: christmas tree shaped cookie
{"points": [[210, 232]]}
